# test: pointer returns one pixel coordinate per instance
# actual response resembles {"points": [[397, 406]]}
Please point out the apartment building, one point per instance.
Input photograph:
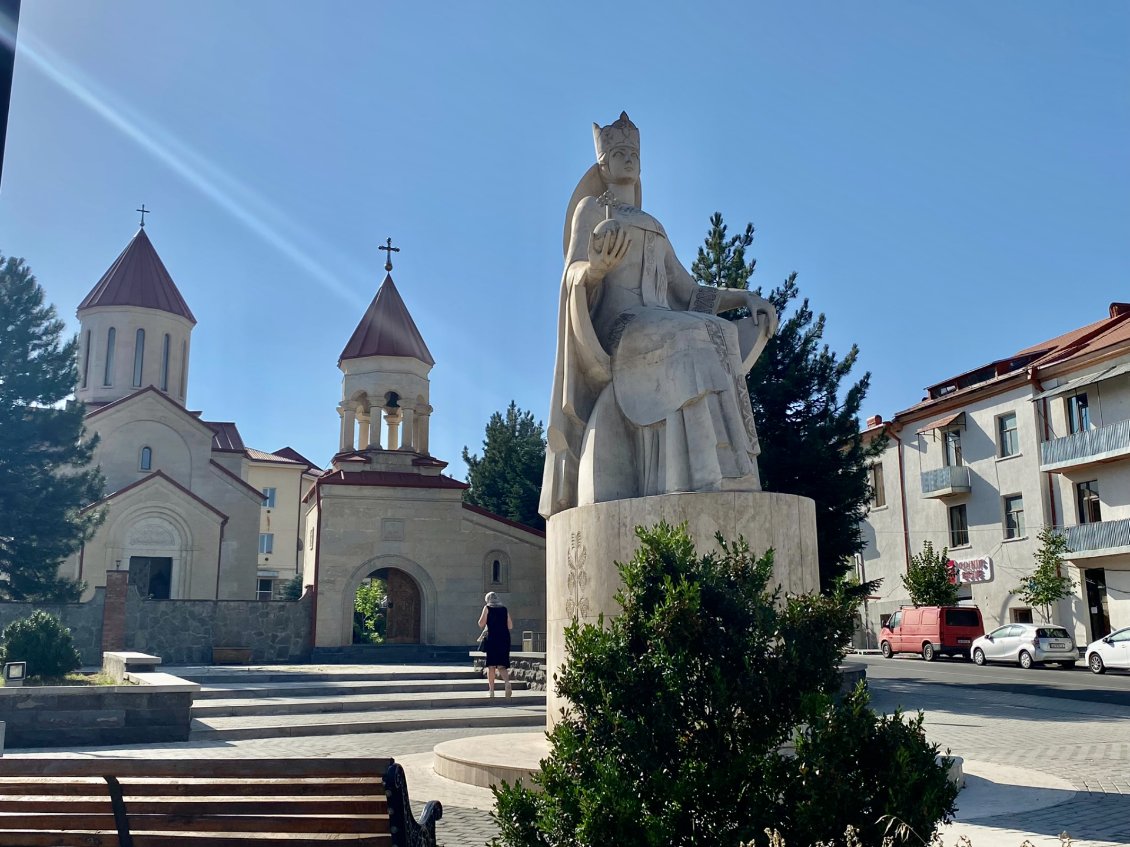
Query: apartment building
{"points": [[990, 457]]}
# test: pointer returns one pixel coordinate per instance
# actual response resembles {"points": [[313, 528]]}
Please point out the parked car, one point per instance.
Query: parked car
{"points": [[931, 630], [1027, 644], [1110, 651]]}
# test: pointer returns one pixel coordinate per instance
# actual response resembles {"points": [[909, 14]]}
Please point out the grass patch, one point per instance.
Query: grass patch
{"points": [[74, 678]]}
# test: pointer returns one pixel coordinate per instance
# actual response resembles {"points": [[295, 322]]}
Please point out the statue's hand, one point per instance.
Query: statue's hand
{"points": [[607, 249], [764, 313]]}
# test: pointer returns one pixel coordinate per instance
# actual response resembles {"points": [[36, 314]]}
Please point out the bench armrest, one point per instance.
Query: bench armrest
{"points": [[407, 831]]}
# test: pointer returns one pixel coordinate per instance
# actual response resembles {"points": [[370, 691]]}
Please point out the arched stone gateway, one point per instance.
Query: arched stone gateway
{"points": [[412, 599]]}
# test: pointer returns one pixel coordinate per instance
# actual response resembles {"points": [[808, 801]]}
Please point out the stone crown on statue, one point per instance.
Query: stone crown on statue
{"points": [[621, 133]]}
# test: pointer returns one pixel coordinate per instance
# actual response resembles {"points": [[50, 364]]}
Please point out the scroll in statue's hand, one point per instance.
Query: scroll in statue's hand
{"points": [[608, 245]]}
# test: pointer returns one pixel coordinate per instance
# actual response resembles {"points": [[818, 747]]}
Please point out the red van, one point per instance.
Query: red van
{"points": [[930, 630]]}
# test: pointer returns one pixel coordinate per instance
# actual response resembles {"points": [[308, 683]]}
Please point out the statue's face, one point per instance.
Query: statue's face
{"points": [[622, 165]]}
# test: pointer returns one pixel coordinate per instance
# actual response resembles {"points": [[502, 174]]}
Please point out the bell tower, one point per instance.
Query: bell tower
{"points": [[385, 411]]}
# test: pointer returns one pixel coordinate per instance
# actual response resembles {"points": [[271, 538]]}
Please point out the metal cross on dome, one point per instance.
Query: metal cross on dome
{"points": [[144, 212], [389, 250]]}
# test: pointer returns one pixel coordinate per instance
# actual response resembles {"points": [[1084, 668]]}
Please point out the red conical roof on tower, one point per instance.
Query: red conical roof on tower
{"points": [[387, 330], [138, 278]]}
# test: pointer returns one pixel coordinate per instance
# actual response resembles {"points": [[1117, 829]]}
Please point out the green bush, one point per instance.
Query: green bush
{"points": [[683, 703], [292, 588], [43, 642], [874, 773]]}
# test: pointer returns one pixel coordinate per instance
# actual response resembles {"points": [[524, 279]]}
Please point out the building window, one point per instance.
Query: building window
{"points": [[165, 363], [1008, 443], [1087, 496], [108, 372], [310, 539], [1078, 414], [85, 357], [266, 543], [268, 498], [952, 445], [1020, 616], [959, 526], [265, 590], [1014, 516], [878, 493], [145, 463], [496, 572], [138, 357]]}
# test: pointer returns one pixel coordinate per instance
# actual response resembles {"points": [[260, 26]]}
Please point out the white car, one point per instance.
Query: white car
{"points": [[1111, 651], [1027, 644]]}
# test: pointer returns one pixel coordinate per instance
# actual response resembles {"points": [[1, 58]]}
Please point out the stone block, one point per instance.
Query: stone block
{"points": [[584, 543]]}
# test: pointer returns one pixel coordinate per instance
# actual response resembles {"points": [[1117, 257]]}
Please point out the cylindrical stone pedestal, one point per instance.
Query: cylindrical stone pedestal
{"points": [[582, 545]]}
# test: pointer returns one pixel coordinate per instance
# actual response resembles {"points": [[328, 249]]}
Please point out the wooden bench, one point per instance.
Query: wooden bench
{"points": [[209, 803]]}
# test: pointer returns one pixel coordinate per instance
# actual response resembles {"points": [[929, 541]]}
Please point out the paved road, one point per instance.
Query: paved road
{"points": [[1078, 683]]}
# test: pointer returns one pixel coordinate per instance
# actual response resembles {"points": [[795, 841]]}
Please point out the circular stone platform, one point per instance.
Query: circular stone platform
{"points": [[486, 760]]}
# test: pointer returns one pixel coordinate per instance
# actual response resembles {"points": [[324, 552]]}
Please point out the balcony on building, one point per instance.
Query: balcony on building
{"points": [[1099, 444], [1102, 538], [946, 482]]}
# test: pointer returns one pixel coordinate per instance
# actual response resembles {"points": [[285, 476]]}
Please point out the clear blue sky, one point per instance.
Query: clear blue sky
{"points": [[950, 180]]}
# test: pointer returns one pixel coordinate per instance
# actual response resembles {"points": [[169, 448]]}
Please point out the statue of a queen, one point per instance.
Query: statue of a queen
{"points": [[649, 393]]}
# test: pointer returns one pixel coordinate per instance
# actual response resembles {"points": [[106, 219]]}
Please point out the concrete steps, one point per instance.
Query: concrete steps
{"points": [[293, 702], [263, 706]]}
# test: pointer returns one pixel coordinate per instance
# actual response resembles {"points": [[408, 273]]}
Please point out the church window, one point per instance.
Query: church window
{"points": [[496, 571], [183, 366], [266, 543], [108, 373], [165, 363], [138, 357], [146, 461], [85, 358]]}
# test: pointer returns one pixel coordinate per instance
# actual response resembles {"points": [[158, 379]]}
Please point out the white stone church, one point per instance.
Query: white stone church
{"points": [[194, 513]]}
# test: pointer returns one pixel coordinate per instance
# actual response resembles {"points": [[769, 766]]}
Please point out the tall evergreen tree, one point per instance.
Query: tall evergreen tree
{"points": [[507, 479], [45, 477], [808, 426]]}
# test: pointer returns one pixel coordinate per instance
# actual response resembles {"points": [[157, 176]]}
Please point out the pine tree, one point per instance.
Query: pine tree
{"points": [[808, 427], [45, 478], [507, 479]]}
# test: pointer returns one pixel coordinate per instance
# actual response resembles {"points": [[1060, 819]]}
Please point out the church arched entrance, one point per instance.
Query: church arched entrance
{"points": [[401, 611]]}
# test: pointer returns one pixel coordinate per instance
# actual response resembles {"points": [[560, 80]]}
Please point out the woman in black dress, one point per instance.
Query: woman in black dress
{"points": [[497, 644]]}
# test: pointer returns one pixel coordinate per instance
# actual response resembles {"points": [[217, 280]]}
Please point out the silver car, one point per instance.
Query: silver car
{"points": [[1027, 644], [1112, 651]]}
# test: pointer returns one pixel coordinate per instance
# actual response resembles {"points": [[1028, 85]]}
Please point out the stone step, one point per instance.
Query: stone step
{"points": [[325, 688], [211, 675], [389, 654], [388, 701], [494, 713]]}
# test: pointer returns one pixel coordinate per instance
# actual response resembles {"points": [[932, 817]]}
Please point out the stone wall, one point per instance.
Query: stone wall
{"points": [[524, 667], [183, 632], [84, 620], [73, 716]]}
